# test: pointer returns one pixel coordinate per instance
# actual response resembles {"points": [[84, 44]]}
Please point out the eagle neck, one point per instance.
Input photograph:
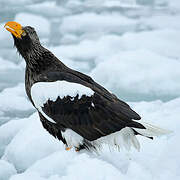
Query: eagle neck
{"points": [[38, 59]]}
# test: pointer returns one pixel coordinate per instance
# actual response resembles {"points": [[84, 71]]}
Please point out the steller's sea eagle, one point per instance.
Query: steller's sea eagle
{"points": [[71, 105]]}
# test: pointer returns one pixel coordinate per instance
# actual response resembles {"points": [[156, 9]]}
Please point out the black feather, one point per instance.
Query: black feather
{"points": [[91, 117]]}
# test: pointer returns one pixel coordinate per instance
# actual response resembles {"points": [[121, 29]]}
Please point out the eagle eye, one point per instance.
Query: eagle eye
{"points": [[23, 33]]}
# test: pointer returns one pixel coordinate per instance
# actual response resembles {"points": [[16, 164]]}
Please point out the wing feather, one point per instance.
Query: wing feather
{"points": [[91, 116]]}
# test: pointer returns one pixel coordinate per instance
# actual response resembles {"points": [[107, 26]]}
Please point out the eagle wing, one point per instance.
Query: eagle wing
{"points": [[73, 100]]}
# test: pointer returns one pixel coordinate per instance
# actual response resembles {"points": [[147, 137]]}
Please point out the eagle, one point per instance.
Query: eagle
{"points": [[71, 105]]}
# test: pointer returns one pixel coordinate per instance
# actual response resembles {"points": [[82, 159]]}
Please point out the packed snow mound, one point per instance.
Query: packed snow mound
{"points": [[5, 77], [163, 42], [129, 46], [160, 22], [42, 145], [40, 23], [97, 23], [5, 38], [149, 75], [18, 99], [41, 156], [14, 104], [83, 34], [8, 132], [6, 170], [151, 60]]}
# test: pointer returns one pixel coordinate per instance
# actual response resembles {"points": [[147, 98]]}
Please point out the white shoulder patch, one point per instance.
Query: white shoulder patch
{"points": [[41, 92]]}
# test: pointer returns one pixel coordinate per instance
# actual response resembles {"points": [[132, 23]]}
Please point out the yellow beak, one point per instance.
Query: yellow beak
{"points": [[15, 28]]}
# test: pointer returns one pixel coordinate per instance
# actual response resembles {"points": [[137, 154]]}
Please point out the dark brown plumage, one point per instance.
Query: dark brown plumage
{"points": [[91, 117]]}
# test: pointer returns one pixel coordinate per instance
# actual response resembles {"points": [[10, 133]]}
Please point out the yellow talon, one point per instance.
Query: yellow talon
{"points": [[68, 148], [77, 149]]}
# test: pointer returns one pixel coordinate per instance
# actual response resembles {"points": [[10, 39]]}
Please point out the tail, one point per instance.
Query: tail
{"points": [[151, 130], [126, 137]]}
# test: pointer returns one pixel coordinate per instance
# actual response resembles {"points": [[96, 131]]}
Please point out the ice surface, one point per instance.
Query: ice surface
{"points": [[129, 46], [8, 131], [34, 136], [5, 38], [6, 170], [148, 74], [41, 24], [93, 23], [14, 103], [5, 77], [44, 157]]}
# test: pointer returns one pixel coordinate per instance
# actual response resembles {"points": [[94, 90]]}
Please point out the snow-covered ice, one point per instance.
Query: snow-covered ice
{"points": [[7, 170], [149, 75], [41, 24], [129, 46], [41, 156]]}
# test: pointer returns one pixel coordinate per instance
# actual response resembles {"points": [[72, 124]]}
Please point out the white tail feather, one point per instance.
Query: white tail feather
{"points": [[151, 130], [124, 138]]}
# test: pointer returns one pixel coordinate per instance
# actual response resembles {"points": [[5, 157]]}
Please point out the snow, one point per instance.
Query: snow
{"points": [[148, 74], [18, 99], [6, 170], [21, 155], [42, 28], [41, 156], [129, 46], [8, 131], [6, 78], [14, 103], [161, 21], [93, 23]]}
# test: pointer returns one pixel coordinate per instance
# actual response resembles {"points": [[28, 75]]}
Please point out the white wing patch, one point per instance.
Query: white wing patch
{"points": [[41, 92]]}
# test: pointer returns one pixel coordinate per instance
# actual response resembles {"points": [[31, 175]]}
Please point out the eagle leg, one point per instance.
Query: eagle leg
{"points": [[68, 148]]}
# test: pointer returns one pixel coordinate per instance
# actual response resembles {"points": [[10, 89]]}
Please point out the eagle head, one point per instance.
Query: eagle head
{"points": [[25, 38]]}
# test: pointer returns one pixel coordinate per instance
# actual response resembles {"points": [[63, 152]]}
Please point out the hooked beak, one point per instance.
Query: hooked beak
{"points": [[15, 28]]}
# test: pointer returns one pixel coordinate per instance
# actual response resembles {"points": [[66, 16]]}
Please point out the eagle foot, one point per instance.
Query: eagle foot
{"points": [[77, 149], [68, 148]]}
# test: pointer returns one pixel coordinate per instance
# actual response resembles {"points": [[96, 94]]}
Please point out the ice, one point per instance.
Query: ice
{"points": [[93, 23], [163, 42], [48, 9], [174, 5], [149, 75], [40, 148], [27, 176], [64, 164], [6, 170], [129, 46], [18, 99], [5, 77], [161, 21], [5, 38], [42, 28], [40, 142], [135, 53], [14, 103], [8, 132]]}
